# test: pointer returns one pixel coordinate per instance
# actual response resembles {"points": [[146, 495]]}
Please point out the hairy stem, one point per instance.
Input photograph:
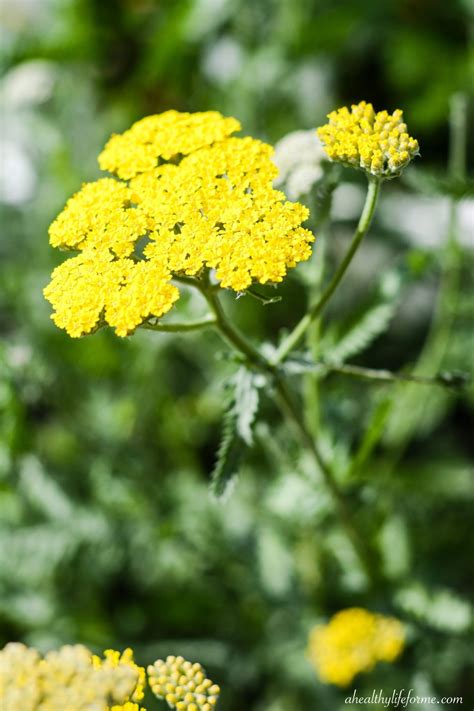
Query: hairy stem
{"points": [[295, 337]]}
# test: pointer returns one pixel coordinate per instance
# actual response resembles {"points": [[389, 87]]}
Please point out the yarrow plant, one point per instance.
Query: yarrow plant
{"points": [[376, 142], [190, 205], [70, 678], [353, 641], [74, 679], [190, 197], [193, 205], [184, 686]]}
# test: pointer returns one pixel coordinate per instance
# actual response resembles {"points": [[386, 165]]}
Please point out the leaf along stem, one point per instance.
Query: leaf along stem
{"points": [[296, 335], [444, 379], [290, 410]]}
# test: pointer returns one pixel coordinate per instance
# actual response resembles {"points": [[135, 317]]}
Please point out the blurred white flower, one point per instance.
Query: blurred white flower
{"points": [[425, 219], [348, 201], [17, 174], [302, 179], [223, 61], [28, 84], [298, 156]]}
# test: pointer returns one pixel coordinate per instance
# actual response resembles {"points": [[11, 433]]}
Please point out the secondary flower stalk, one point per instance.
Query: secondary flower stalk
{"points": [[297, 334]]}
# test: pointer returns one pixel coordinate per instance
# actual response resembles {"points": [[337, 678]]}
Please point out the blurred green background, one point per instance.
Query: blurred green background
{"points": [[108, 535]]}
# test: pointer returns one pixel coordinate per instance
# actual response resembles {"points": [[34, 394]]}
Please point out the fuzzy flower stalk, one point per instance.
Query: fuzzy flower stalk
{"points": [[377, 143], [187, 196], [354, 641]]}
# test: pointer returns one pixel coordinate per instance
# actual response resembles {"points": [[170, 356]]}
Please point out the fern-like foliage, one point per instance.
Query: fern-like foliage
{"points": [[237, 430], [374, 320], [229, 456]]}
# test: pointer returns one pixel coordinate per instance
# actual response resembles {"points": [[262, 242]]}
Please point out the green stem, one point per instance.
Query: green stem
{"points": [[229, 332], [388, 376], [401, 428], [295, 337], [176, 327], [311, 387], [291, 411]]}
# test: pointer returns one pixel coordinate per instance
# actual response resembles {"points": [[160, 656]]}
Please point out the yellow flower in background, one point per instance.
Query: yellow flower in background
{"points": [[353, 641], [378, 143], [70, 678], [183, 685], [189, 196]]}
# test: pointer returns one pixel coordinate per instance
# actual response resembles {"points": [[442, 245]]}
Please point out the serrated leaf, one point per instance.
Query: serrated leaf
{"points": [[246, 399], [372, 324], [229, 455], [237, 430]]}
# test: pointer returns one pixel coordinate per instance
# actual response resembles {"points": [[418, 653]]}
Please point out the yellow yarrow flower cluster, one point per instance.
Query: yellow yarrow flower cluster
{"points": [[70, 679], [183, 685], [190, 197], [378, 143], [354, 641], [163, 136]]}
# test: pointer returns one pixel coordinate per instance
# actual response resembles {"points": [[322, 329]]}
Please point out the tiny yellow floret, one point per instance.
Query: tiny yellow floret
{"points": [[353, 641], [378, 143], [189, 196]]}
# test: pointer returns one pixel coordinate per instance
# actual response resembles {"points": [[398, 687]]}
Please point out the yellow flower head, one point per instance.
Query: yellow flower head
{"points": [[354, 641], [70, 678], [183, 685], [378, 143], [165, 136], [189, 197]]}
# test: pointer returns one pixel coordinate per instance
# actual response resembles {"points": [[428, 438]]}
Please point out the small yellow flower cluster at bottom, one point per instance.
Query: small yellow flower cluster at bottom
{"points": [[183, 685], [353, 641], [73, 679], [70, 679]]}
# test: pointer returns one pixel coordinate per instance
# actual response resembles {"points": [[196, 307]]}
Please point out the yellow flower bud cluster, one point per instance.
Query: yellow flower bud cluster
{"points": [[353, 641], [378, 143], [183, 685], [190, 197], [69, 679]]}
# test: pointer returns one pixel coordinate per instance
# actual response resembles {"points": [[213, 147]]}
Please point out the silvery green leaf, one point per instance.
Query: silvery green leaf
{"points": [[246, 399], [229, 456]]}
